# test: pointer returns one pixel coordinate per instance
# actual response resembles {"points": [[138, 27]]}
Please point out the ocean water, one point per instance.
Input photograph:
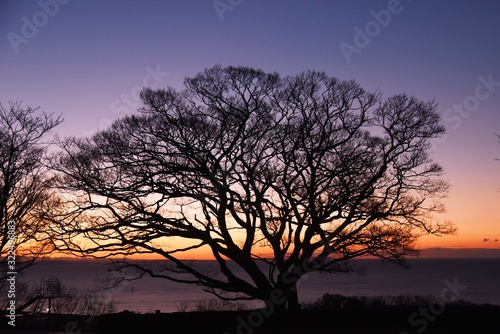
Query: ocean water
{"points": [[423, 277]]}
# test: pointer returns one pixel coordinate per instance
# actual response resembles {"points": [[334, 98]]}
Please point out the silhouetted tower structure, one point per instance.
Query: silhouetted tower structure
{"points": [[49, 289]]}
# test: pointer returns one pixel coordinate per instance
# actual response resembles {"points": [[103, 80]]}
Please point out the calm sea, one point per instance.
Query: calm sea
{"points": [[423, 277]]}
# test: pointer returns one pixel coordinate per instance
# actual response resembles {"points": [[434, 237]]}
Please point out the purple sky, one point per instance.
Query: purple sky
{"points": [[89, 59]]}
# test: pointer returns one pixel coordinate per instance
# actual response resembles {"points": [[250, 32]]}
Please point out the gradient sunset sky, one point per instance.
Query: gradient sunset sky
{"points": [[87, 60]]}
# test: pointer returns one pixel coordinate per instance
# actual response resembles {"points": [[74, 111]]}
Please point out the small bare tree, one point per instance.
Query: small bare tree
{"points": [[92, 302], [275, 177], [25, 185]]}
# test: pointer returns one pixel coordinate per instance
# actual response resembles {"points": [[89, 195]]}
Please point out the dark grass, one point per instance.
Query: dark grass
{"points": [[347, 317]]}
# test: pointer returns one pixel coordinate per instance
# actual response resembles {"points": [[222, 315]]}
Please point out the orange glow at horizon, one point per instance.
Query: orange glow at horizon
{"points": [[454, 242], [476, 230]]}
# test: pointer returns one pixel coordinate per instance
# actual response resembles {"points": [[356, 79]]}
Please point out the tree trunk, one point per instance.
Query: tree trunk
{"points": [[288, 292], [292, 299]]}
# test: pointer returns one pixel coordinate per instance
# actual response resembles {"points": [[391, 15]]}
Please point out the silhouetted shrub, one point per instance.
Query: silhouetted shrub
{"points": [[204, 305], [337, 301]]}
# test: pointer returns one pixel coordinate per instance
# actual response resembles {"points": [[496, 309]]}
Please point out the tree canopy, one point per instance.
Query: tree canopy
{"points": [[275, 176], [26, 197]]}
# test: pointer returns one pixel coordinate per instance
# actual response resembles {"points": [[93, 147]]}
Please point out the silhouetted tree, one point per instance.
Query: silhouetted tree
{"points": [[25, 195], [275, 176]]}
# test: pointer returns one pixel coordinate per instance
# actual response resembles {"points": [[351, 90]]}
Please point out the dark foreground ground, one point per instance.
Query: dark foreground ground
{"points": [[456, 319]]}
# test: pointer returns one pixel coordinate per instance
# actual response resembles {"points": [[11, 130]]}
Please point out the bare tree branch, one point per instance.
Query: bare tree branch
{"points": [[311, 170], [25, 185]]}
